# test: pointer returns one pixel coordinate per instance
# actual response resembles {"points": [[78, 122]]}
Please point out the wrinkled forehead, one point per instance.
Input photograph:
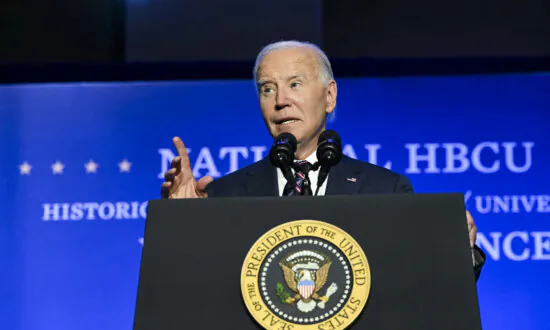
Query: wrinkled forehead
{"points": [[284, 63]]}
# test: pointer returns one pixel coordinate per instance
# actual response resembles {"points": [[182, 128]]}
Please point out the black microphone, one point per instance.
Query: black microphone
{"points": [[329, 153], [282, 155]]}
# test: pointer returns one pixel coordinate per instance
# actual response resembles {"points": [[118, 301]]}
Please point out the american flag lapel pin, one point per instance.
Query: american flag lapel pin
{"points": [[352, 179]]}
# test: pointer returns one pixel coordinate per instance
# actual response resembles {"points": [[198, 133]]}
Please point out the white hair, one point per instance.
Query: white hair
{"points": [[324, 73]]}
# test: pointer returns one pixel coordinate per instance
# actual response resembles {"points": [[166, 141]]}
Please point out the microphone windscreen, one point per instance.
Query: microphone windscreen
{"points": [[329, 149], [282, 152], [329, 135], [287, 138]]}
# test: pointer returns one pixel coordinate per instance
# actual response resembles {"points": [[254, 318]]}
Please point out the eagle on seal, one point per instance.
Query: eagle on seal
{"points": [[305, 273]]}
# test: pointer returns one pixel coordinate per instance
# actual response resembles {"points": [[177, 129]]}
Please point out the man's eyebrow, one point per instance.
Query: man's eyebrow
{"points": [[297, 76], [264, 81]]}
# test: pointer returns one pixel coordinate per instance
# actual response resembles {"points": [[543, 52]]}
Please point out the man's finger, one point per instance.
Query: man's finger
{"points": [[182, 151], [175, 162], [170, 174], [176, 165], [472, 229], [473, 235], [469, 219], [203, 183], [165, 189]]}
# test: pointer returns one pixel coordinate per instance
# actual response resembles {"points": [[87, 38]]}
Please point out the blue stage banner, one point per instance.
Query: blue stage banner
{"points": [[79, 161]]}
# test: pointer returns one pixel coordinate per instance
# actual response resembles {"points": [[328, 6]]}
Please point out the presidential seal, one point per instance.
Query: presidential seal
{"points": [[305, 274]]}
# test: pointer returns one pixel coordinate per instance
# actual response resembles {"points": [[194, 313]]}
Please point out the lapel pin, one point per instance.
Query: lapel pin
{"points": [[352, 180]]}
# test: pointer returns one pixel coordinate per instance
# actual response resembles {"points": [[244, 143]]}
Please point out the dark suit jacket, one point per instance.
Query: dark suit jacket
{"points": [[260, 179]]}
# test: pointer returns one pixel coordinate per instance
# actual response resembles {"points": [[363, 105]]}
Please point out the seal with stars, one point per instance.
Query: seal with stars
{"points": [[305, 274]]}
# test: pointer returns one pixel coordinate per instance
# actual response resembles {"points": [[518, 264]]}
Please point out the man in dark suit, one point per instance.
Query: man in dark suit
{"points": [[297, 94]]}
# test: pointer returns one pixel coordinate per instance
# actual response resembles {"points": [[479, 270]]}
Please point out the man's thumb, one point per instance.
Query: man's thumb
{"points": [[204, 182]]}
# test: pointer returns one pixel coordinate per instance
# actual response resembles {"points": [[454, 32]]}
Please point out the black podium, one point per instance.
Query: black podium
{"points": [[419, 271]]}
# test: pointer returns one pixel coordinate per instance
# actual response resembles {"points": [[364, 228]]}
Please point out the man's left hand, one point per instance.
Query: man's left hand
{"points": [[472, 229]]}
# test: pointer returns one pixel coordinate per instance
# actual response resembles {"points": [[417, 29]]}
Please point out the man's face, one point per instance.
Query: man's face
{"points": [[292, 97]]}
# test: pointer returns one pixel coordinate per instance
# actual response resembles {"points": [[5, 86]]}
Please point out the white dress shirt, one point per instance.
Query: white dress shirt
{"points": [[313, 176]]}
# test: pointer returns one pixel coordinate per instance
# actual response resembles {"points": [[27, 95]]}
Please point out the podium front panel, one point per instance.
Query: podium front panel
{"points": [[417, 247]]}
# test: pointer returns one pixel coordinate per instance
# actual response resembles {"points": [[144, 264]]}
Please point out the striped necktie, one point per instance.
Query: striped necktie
{"points": [[303, 185]]}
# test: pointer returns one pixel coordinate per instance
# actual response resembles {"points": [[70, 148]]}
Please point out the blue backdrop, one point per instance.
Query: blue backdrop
{"points": [[79, 162]]}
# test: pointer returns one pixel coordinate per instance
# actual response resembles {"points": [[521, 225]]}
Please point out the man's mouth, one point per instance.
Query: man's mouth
{"points": [[285, 121]]}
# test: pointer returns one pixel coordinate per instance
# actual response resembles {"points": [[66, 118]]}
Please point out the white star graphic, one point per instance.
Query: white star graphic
{"points": [[124, 166], [91, 166], [57, 167], [25, 168]]}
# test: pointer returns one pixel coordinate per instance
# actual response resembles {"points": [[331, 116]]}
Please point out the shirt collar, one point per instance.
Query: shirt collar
{"points": [[312, 158]]}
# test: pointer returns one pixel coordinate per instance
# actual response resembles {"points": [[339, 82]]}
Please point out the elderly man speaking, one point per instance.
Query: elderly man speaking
{"points": [[297, 93]]}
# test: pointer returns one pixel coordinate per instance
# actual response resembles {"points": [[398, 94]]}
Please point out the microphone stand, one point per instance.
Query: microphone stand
{"points": [[321, 178], [287, 172]]}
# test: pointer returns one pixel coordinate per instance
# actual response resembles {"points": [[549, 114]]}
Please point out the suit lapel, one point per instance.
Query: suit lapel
{"points": [[344, 178], [261, 180]]}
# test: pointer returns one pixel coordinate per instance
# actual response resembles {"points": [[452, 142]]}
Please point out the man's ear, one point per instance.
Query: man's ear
{"points": [[331, 93]]}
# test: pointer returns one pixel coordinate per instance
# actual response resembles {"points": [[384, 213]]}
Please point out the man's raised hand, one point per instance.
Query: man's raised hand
{"points": [[179, 180]]}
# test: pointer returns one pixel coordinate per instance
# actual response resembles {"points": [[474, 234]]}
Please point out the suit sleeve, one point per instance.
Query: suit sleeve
{"points": [[403, 185], [478, 257]]}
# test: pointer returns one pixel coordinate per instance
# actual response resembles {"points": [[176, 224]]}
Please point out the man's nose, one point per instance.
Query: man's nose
{"points": [[281, 100]]}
